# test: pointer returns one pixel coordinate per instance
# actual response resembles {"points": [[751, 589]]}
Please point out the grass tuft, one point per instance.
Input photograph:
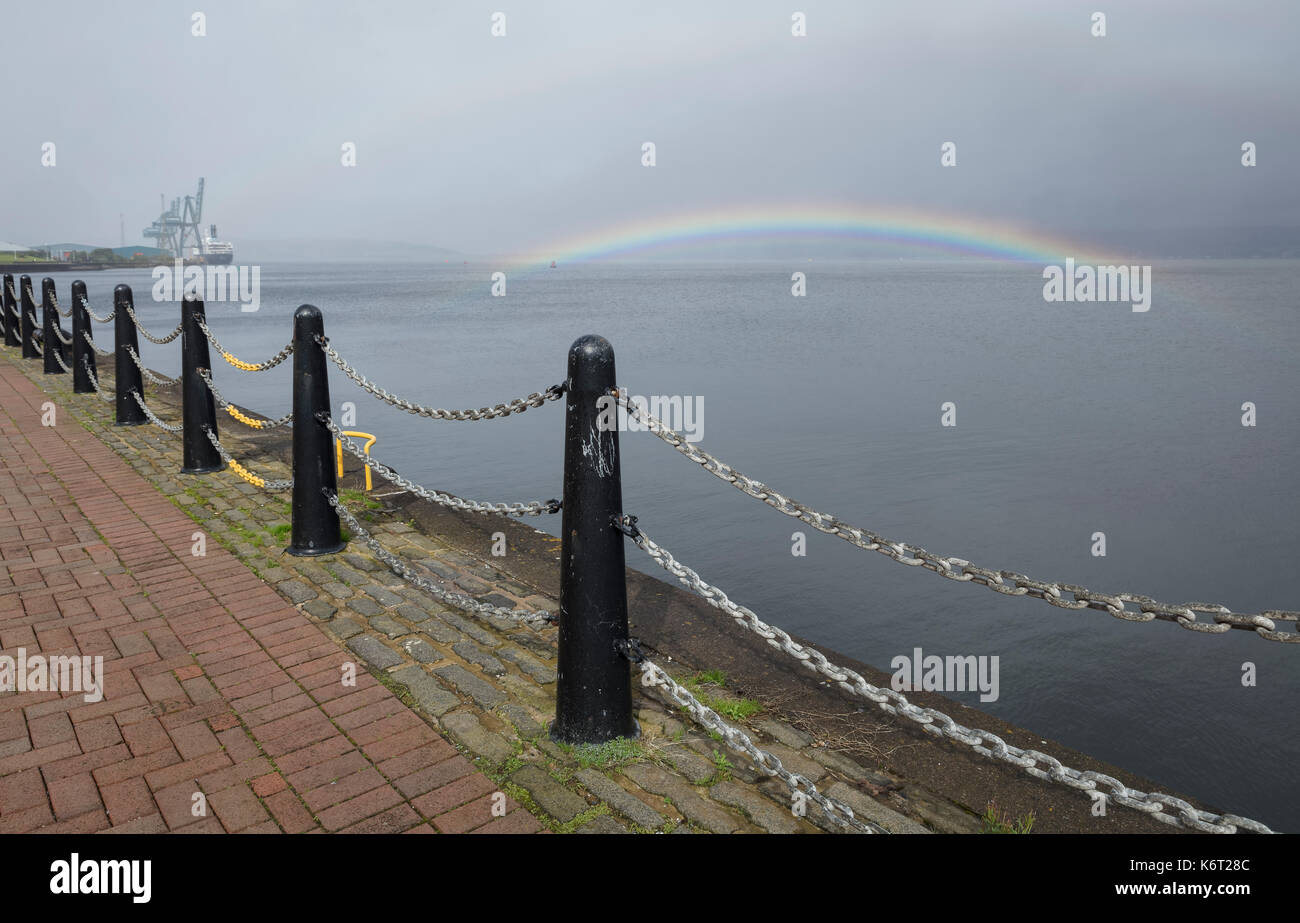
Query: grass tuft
{"points": [[996, 821], [617, 752], [725, 704]]}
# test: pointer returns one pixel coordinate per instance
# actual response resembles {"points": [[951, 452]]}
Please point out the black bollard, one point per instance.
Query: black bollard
{"points": [[129, 377], [315, 523], [50, 329], [199, 406], [593, 694], [27, 307], [10, 310], [82, 354]]}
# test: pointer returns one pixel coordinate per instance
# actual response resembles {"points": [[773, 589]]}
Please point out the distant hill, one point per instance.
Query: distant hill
{"points": [[338, 250]]}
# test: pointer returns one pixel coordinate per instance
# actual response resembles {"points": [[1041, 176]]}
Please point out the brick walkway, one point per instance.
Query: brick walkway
{"points": [[213, 683]]}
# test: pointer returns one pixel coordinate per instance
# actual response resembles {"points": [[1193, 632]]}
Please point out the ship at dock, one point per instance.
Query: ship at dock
{"points": [[211, 251], [177, 231]]}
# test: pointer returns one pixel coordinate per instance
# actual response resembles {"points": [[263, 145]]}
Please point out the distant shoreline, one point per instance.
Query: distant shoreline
{"points": [[29, 268]]}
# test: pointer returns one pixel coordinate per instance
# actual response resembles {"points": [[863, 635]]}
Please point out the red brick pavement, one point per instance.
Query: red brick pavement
{"points": [[212, 682]]}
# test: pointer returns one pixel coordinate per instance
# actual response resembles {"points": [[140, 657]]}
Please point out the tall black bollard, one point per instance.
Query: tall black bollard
{"points": [[593, 695], [10, 310], [82, 354], [52, 347], [27, 307], [199, 406], [129, 377], [315, 523]]}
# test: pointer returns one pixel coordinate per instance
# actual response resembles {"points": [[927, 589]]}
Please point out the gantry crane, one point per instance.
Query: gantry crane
{"points": [[178, 227]]}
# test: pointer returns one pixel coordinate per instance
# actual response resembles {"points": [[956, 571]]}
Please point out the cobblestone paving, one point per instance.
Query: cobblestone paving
{"points": [[487, 684]]}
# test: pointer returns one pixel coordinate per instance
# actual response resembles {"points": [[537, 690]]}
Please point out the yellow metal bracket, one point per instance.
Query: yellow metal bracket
{"points": [[338, 450]]}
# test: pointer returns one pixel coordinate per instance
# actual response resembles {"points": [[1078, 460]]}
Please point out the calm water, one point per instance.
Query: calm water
{"points": [[1071, 419]]}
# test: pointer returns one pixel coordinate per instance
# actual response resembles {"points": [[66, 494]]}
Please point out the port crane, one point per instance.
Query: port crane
{"points": [[178, 226]]}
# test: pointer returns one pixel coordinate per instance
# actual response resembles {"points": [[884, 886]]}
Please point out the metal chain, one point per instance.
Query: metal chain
{"points": [[963, 571], [518, 405], [161, 380], [936, 722], [234, 411], [153, 418], [535, 617], [839, 812], [235, 466], [95, 317], [65, 337], [161, 341], [58, 357], [54, 300], [106, 353], [271, 363], [531, 508], [13, 303], [85, 362]]}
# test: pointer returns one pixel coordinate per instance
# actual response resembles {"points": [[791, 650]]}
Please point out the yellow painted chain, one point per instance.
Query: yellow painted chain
{"points": [[246, 420], [245, 473], [239, 363]]}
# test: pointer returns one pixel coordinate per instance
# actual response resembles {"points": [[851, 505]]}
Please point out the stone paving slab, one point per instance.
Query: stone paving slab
{"points": [[224, 707], [487, 684]]}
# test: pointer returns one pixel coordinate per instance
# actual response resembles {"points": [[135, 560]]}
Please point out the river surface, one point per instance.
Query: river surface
{"points": [[1071, 419]]}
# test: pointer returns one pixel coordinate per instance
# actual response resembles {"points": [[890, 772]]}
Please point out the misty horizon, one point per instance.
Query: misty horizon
{"points": [[487, 146]]}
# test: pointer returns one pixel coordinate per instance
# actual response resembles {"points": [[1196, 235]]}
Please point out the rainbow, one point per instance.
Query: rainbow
{"points": [[949, 233]]}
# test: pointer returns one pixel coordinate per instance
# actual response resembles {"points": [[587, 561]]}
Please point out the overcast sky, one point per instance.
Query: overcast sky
{"points": [[490, 144]]}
